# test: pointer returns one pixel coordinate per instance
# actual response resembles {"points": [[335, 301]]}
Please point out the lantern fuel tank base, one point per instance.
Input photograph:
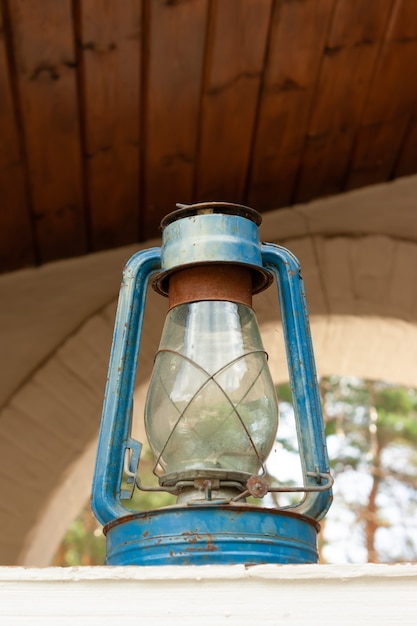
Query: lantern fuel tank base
{"points": [[193, 535]]}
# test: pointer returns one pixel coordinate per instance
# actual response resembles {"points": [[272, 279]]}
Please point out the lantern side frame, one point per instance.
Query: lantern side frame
{"points": [[114, 436], [303, 378]]}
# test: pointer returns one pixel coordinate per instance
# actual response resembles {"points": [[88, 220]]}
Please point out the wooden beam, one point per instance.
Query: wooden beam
{"points": [[45, 63], [109, 43], [16, 244], [235, 55], [348, 63], [173, 75], [296, 43]]}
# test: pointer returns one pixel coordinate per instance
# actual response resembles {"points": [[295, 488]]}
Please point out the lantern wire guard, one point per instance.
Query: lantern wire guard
{"points": [[211, 411]]}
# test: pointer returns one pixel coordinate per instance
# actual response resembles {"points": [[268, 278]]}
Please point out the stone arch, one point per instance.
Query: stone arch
{"points": [[359, 257]]}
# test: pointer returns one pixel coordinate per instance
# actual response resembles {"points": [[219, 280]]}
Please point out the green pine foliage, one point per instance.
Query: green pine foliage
{"points": [[371, 429]]}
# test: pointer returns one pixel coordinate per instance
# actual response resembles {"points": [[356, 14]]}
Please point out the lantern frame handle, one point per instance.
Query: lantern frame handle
{"points": [[114, 437], [303, 378]]}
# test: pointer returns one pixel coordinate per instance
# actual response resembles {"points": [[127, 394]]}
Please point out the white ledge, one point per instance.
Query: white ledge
{"points": [[209, 572], [294, 595]]}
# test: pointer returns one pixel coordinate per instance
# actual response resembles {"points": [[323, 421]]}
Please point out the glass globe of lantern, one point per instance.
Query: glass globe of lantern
{"points": [[211, 409]]}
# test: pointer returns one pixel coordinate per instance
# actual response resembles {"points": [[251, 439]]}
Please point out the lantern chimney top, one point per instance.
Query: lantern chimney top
{"points": [[211, 208]]}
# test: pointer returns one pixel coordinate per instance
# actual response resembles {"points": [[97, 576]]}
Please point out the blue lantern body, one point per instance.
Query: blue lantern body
{"points": [[209, 532]]}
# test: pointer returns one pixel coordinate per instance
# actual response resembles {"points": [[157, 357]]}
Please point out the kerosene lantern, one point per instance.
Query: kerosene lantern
{"points": [[211, 413]]}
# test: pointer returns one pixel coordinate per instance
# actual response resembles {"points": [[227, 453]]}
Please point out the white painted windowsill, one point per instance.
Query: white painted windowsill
{"points": [[234, 595]]}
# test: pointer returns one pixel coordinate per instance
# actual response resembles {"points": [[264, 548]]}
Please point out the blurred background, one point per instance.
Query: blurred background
{"points": [[110, 113]]}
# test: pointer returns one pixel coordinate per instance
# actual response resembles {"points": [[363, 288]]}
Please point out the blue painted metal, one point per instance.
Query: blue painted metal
{"points": [[239, 533], [212, 238], [118, 400], [212, 535], [303, 377]]}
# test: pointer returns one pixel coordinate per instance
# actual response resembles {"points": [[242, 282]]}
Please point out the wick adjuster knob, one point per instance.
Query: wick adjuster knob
{"points": [[257, 486]]}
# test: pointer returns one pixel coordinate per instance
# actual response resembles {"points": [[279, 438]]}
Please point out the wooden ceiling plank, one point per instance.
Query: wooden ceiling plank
{"points": [[348, 64], [391, 103], [230, 96], [16, 243], [296, 43], [45, 64], [407, 159], [377, 148], [109, 38], [405, 23], [405, 29], [177, 32]]}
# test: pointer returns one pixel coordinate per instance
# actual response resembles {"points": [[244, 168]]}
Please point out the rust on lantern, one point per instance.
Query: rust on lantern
{"points": [[217, 281]]}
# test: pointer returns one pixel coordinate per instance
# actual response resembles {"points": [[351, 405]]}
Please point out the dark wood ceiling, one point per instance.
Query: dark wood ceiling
{"points": [[113, 110]]}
